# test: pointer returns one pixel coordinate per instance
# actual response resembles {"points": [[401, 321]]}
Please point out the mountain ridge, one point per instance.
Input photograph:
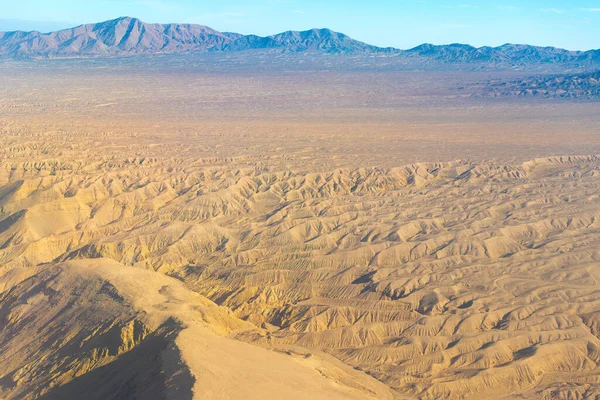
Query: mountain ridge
{"points": [[130, 36], [126, 36], [502, 53]]}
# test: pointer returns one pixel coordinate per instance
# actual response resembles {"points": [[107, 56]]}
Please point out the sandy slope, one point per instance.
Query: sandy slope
{"points": [[98, 329]]}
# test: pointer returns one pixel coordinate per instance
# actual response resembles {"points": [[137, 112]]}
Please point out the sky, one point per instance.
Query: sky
{"points": [[570, 24]]}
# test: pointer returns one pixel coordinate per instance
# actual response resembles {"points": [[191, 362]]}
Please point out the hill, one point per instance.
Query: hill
{"points": [[565, 86]]}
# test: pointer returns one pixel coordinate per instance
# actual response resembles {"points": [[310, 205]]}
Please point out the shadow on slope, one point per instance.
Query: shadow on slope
{"points": [[152, 370]]}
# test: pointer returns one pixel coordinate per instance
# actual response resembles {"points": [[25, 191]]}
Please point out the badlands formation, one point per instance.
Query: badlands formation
{"points": [[154, 251]]}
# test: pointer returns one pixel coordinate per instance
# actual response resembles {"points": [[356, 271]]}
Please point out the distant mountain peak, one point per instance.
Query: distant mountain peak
{"points": [[128, 36]]}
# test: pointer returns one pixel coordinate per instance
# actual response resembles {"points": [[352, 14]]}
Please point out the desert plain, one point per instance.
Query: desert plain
{"points": [[178, 227]]}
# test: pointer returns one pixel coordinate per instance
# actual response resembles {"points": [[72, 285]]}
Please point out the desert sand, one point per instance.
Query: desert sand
{"points": [[204, 235]]}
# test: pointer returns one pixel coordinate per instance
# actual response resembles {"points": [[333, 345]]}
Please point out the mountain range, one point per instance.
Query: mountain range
{"points": [[127, 36], [515, 53], [130, 36]]}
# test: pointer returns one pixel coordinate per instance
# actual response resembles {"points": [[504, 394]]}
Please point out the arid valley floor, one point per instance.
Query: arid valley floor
{"points": [[174, 229]]}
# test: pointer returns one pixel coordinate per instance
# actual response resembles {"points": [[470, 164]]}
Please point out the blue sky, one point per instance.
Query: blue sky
{"points": [[573, 24]]}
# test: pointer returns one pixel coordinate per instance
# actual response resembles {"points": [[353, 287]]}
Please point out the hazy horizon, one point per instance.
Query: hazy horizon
{"points": [[381, 23]]}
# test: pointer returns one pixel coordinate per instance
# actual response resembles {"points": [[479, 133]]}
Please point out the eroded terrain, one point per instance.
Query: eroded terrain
{"points": [[324, 234]]}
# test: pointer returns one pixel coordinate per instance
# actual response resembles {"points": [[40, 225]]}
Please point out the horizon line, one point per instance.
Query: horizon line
{"points": [[290, 30]]}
